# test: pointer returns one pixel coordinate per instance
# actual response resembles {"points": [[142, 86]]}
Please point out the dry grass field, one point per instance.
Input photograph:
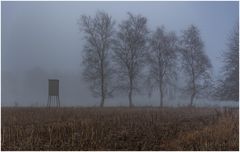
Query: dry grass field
{"points": [[119, 129]]}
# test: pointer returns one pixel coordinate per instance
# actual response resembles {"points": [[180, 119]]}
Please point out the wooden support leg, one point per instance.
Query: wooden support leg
{"points": [[58, 101]]}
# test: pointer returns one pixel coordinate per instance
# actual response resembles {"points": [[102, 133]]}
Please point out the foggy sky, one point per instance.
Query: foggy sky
{"points": [[46, 34]]}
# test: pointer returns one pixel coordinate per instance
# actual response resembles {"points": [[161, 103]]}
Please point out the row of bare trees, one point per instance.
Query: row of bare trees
{"points": [[118, 58]]}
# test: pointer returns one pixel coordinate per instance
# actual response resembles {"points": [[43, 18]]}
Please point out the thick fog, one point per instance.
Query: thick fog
{"points": [[41, 40]]}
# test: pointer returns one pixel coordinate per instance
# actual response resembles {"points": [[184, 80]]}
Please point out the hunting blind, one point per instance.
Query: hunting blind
{"points": [[53, 93]]}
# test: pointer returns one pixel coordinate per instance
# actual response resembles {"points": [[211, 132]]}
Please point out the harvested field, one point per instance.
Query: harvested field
{"points": [[119, 129]]}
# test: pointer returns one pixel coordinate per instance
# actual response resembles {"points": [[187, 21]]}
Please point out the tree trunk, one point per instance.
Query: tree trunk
{"points": [[130, 94], [161, 95], [102, 94], [193, 92], [102, 86], [192, 97], [102, 101], [130, 98], [193, 84]]}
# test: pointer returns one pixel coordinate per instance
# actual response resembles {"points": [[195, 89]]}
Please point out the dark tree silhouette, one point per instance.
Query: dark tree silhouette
{"points": [[96, 59], [161, 59], [129, 52], [195, 63], [228, 87]]}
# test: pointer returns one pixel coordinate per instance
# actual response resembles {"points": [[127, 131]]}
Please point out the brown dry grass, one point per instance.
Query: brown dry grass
{"points": [[119, 129]]}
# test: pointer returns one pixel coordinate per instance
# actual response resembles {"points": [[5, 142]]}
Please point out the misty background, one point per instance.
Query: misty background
{"points": [[41, 41]]}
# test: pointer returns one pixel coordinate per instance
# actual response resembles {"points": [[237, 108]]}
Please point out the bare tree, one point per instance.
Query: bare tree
{"points": [[228, 87], [161, 59], [196, 64], [129, 52], [99, 32]]}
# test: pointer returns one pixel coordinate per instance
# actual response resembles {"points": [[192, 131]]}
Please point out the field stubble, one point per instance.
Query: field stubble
{"points": [[119, 129]]}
